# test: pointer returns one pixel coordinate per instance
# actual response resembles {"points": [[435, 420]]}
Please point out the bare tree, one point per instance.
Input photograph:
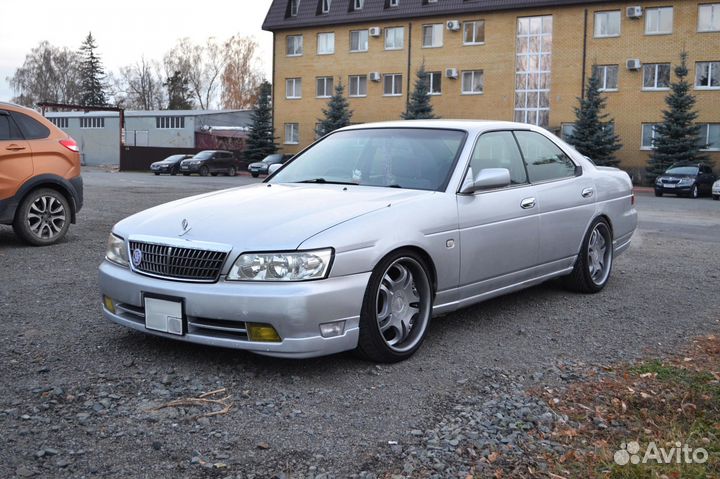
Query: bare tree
{"points": [[49, 74], [141, 86], [201, 65], [241, 77]]}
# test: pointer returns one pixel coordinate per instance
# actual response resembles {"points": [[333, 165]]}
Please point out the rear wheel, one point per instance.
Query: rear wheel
{"points": [[694, 191], [43, 217], [594, 263], [214, 174], [396, 310], [204, 171], [173, 171], [232, 171], [186, 174]]}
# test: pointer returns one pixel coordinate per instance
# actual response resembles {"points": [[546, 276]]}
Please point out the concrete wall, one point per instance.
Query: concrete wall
{"points": [[98, 146], [159, 137], [630, 106]]}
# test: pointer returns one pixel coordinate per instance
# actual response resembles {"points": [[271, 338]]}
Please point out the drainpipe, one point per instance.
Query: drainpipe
{"points": [[584, 54], [409, 66]]}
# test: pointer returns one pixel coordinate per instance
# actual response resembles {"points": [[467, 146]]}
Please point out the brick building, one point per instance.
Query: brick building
{"points": [[523, 60]]}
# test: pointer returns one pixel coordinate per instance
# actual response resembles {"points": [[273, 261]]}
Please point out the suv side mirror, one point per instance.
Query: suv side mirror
{"points": [[486, 179], [273, 168]]}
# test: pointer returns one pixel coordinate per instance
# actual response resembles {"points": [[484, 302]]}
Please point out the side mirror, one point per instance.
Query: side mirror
{"points": [[486, 179], [273, 168]]}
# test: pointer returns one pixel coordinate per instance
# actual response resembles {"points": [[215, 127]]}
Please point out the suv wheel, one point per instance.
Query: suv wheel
{"points": [[232, 171], [43, 217], [204, 170]]}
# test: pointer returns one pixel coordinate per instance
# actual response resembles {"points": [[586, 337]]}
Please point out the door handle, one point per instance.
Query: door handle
{"points": [[527, 203], [587, 192], [15, 147]]}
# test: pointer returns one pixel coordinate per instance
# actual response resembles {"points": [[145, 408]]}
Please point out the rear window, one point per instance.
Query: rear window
{"points": [[8, 130], [30, 128]]}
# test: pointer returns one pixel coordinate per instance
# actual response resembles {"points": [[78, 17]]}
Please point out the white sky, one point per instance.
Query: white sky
{"points": [[124, 30]]}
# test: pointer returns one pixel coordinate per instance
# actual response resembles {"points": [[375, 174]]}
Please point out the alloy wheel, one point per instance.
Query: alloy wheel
{"points": [[600, 253], [46, 217]]}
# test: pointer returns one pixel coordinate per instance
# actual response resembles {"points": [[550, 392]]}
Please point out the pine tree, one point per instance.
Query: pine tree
{"points": [[419, 106], [594, 136], [338, 113], [261, 138], [677, 138], [178, 91], [92, 75]]}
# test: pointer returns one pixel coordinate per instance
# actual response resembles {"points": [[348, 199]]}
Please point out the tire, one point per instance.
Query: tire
{"points": [[157, 174], [585, 278], [396, 309], [204, 170], [694, 192], [255, 175], [186, 174], [658, 193], [213, 174], [716, 197], [43, 217], [232, 171], [173, 172]]}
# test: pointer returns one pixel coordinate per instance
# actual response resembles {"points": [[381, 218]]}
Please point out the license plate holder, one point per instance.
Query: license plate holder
{"points": [[165, 314]]}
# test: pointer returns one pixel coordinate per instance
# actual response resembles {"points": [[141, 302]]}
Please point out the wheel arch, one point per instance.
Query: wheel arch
{"points": [[53, 182], [424, 255]]}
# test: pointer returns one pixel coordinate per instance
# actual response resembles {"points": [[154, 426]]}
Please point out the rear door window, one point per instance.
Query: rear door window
{"points": [[30, 128], [544, 159], [8, 130]]}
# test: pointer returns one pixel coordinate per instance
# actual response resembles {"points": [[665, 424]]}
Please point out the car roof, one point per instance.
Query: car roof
{"points": [[468, 125]]}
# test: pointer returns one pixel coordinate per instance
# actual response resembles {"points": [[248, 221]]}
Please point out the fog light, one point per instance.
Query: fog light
{"points": [[109, 305], [263, 333], [330, 330]]}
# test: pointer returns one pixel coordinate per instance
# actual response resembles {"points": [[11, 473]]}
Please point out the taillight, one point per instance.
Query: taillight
{"points": [[70, 144], [632, 199]]}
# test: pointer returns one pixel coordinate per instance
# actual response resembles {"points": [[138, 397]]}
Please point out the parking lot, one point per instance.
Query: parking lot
{"points": [[78, 393]]}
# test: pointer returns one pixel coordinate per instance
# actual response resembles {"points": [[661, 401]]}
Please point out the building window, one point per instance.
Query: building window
{"points": [[359, 41], [293, 88], [294, 5], [433, 35], [474, 32], [533, 64], [434, 80], [394, 3], [392, 85], [324, 87], [608, 75], [358, 86], [292, 133], [394, 38], [59, 122], [170, 122], [710, 136], [656, 76], [709, 18], [707, 75], [326, 43], [567, 130], [607, 24], [658, 21], [325, 6], [294, 45], [472, 82], [648, 136], [92, 122], [358, 4]]}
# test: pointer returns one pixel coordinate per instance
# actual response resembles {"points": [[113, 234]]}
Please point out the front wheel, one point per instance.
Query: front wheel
{"points": [[204, 171], [255, 175], [658, 193], [157, 174], [396, 309], [186, 174], [232, 171], [173, 172], [42, 218], [594, 263], [716, 197], [694, 191]]}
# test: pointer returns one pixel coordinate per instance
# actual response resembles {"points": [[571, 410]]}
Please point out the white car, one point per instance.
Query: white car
{"points": [[716, 190]]}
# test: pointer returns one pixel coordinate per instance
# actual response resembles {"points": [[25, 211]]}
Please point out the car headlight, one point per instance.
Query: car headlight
{"points": [[659, 181], [686, 181], [116, 251], [282, 266]]}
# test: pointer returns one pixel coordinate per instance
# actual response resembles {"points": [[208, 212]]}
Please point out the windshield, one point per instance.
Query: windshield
{"points": [[203, 155], [272, 159], [683, 170], [415, 158], [173, 158]]}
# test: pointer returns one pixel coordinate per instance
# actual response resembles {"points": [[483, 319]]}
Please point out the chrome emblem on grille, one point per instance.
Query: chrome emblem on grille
{"points": [[185, 226], [137, 257]]}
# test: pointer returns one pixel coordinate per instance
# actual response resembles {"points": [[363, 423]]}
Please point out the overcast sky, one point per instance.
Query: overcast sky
{"points": [[124, 30]]}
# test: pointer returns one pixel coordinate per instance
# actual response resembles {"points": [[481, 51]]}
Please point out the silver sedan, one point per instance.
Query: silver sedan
{"points": [[373, 230]]}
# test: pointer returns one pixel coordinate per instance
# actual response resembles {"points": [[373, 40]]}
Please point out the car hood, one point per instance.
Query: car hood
{"points": [[676, 177], [262, 217]]}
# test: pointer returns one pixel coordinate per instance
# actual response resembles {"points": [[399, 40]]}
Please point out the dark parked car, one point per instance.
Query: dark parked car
{"points": [[210, 162], [261, 167], [686, 179], [170, 165]]}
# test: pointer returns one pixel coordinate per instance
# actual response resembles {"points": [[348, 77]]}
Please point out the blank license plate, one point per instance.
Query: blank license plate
{"points": [[163, 315], [669, 185]]}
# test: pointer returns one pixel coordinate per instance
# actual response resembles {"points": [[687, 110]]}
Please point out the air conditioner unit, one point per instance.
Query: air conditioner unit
{"points": [[375, 76], [634, 64], [374, 31], [634, 12], [451, 72], [453, 25]]}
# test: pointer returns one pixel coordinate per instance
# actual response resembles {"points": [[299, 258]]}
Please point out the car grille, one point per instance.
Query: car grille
{"points": [[172, 262]]}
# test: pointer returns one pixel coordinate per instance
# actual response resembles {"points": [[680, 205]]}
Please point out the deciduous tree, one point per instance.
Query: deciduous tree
{"points": [[241, 76]]}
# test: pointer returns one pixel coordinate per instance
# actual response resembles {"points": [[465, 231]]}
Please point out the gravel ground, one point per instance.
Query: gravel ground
{"points": [[77, 393]]}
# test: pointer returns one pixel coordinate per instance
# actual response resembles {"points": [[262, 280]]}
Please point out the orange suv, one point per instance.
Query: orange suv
{"points": [[41, 189]]}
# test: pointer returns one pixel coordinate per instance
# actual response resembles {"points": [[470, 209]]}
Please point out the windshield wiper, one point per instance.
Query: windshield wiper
{"points": [[329, 182]]}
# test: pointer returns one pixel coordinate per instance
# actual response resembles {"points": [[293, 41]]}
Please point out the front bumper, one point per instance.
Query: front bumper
{"points": [[161, 168], [295, 310], [677, 190], [190, 168]]}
